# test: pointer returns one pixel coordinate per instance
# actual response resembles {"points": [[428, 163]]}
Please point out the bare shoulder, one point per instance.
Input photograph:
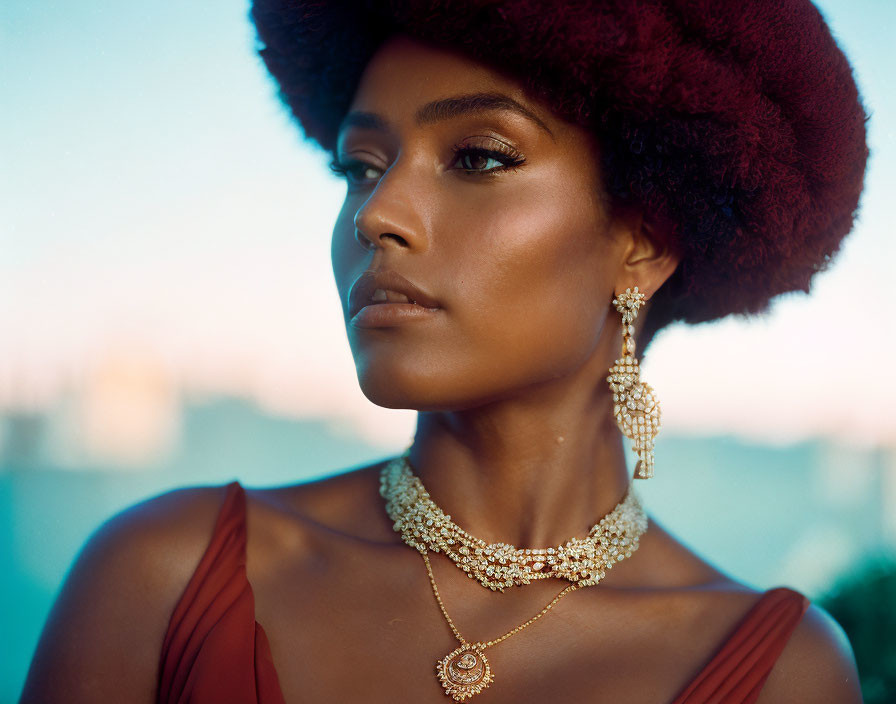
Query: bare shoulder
{"points": [[103, 637], [816, 666]]}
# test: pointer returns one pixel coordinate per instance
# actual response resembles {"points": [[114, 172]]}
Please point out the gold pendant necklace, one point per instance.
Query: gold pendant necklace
{"points": [[465, 671]]}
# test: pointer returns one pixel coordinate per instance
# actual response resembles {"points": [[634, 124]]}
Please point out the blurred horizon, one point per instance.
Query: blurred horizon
{"points": [[803, 515]]}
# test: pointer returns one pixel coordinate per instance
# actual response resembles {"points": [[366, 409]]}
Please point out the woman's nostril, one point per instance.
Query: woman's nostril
{"points": [[368, 243], [400, 240]]}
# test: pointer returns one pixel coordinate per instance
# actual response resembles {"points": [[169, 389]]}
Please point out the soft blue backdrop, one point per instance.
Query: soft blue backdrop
{"points": [[159, 217]]}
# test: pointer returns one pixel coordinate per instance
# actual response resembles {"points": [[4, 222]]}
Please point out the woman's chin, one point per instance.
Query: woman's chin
{"points": [[418, 392], [387, 393]]}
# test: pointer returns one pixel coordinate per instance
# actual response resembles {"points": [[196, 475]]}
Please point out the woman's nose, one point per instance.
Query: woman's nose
{"points": [[391, 216]]}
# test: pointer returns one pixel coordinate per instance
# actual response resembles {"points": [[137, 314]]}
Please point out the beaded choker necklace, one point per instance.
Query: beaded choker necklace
{"points": [[424, 526]]}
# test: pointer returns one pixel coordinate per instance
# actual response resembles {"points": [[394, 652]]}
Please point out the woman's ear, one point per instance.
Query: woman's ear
{"points": [[648, 257]]}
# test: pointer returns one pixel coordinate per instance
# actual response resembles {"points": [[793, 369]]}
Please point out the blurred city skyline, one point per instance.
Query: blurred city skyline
{"points": [[160, 213]]}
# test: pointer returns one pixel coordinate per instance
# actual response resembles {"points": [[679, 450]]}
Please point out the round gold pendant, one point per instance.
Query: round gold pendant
{"points": [[464, 672]]}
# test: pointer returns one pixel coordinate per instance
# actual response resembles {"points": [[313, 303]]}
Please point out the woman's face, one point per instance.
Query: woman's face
{"points": [[489, 204]]}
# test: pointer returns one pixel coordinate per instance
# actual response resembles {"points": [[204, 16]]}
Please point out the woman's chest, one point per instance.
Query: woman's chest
{"points": [[350, 629]]}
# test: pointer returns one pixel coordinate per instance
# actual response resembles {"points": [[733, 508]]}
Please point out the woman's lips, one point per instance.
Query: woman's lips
{"points": [[384, 315], [385, 298]]}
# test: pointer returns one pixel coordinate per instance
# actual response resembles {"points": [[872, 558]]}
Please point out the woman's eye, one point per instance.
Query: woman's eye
{"points": [[355, 172], [477, 160], [474, 161]]}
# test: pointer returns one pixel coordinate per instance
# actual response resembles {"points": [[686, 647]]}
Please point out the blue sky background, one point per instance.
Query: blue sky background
{"points": [[157, 203]]}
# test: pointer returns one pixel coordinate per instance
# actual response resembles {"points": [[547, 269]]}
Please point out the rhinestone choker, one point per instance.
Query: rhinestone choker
{"points": [[424, 526]]}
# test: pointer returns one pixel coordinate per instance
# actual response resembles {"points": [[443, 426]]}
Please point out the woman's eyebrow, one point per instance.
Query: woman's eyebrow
{"points": [[447, 108]]}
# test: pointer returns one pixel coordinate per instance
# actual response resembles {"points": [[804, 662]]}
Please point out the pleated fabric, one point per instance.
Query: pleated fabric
{"points": [[738, 671], [215, 652]]}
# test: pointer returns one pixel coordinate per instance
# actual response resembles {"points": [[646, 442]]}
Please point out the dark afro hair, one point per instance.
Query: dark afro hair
{"points": [[737, 123]]}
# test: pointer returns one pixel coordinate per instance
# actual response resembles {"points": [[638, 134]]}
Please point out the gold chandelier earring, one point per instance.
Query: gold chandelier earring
{"points": [[635, 406]]}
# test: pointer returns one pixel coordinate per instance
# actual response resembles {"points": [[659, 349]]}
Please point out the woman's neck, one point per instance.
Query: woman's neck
{"points": [[533, 471]]}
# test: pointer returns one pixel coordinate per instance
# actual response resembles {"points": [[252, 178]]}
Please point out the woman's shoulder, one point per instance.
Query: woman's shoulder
{"points": [[167, 513], [816, 663], [778, 632], [160, 539], [112, 611]]}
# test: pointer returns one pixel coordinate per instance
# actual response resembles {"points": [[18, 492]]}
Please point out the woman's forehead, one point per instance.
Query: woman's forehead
{"points": [[411, 85], [404, 73]]}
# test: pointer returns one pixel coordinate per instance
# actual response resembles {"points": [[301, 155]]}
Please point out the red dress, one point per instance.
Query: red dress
{"points": [[215, 652]]}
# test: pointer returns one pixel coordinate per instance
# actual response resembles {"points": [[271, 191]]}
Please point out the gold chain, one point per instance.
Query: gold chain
{"points": [[435, 590]]}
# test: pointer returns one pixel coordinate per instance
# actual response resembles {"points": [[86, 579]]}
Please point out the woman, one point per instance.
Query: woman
{"points": [[514, 171]]}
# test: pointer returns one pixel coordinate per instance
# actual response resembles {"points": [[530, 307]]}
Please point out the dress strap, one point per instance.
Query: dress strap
{"points": [[738, 671], [214, 651]]}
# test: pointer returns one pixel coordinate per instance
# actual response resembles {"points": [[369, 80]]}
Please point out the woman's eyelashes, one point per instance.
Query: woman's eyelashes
{"points": [[353, 171], [476, 160], [469, 159]]}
